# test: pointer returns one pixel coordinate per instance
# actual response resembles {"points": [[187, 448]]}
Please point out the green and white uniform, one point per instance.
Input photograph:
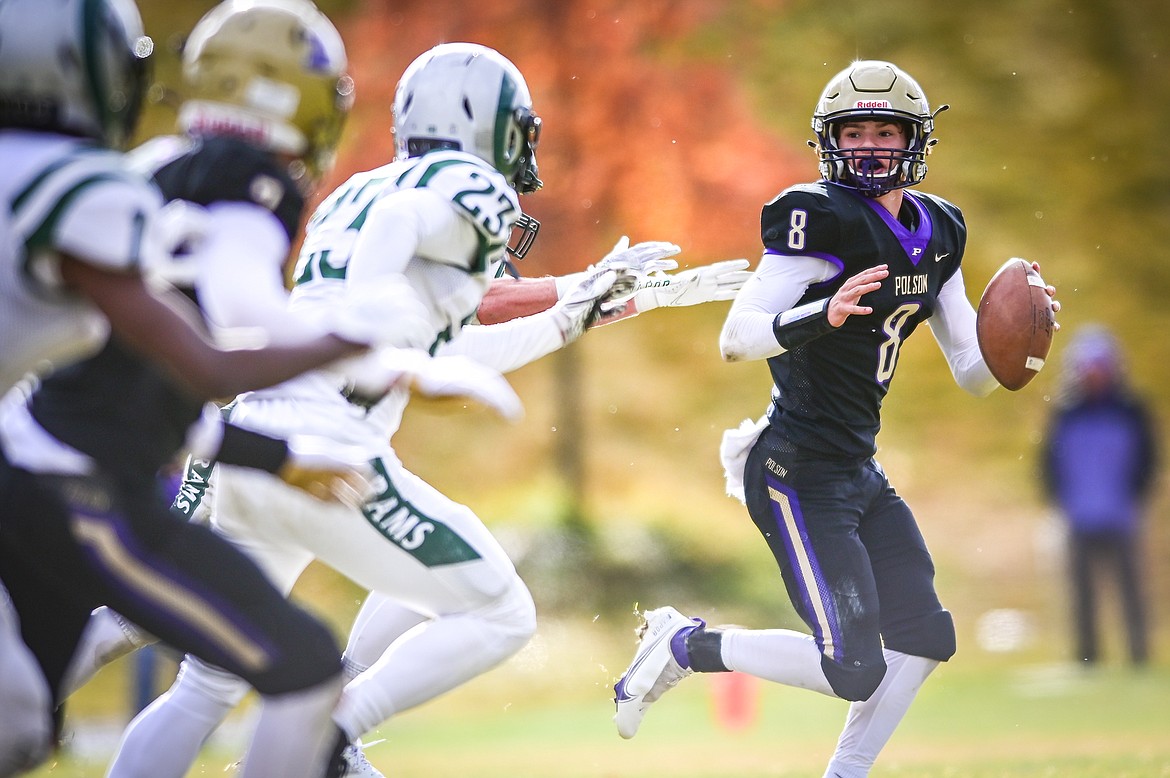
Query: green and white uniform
{"points": [[441, 220], [66, 196]]}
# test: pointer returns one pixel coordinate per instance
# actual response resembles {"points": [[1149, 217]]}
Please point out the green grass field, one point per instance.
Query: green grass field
{"points": [[547, 713]]}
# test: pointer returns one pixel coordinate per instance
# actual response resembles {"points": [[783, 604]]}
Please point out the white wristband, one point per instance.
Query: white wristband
{"points": [[565, 283]]}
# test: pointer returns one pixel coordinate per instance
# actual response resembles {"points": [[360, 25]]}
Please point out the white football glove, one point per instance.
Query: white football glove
{"points": [[372, 376], [173, 244], [708, 283], [328, 470], [630, 263], [580, 305], [638, 261], [387, 312]]}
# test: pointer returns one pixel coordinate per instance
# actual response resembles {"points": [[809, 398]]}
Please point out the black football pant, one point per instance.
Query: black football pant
{"points": [[69, 544], [853, 561]]}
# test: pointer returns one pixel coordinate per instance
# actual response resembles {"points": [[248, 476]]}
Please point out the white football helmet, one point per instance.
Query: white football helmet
{"points": [[868, 90], [77, 67], [272, 71], [469, 97]]}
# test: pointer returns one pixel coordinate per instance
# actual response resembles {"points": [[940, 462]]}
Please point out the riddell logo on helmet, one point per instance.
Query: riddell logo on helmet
{"points": [[872, 104]]}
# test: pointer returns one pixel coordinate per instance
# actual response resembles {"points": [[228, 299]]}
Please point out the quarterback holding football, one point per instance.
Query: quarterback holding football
{"points": [[852, 264]]}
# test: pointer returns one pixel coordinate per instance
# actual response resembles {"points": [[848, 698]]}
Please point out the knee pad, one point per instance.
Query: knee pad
{"points": [[932, 637], [854, 680]]}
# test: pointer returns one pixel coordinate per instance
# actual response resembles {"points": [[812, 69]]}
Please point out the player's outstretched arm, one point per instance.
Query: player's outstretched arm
{"points": [[694, 286], [512, 298], [163, 329]]}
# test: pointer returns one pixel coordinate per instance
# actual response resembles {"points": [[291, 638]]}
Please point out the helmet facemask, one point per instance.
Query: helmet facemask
{"points": [[521, 143]]}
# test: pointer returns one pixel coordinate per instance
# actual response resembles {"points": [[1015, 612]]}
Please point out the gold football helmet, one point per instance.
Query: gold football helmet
{"points": [[873, 90], [273, 71]]}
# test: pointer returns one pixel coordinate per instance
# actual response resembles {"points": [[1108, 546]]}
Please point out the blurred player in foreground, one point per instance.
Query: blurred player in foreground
{"points": [[81, 457], [852, 264]]}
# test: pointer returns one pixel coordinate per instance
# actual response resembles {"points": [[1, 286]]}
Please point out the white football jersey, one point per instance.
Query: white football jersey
{"points": [[450, 273], [61, 195]]}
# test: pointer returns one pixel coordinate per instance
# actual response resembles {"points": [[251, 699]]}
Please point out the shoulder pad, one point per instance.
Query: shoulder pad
{"points": [[802, 219], [223, 169], [89, 205], [477, 191]]}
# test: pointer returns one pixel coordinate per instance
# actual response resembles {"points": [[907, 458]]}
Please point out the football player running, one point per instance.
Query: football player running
{"points": [[852, 264], [442, 216], [80, 461]]}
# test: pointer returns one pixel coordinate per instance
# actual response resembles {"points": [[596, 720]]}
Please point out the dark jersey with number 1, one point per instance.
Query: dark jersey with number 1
{"points": [[829, 392]]}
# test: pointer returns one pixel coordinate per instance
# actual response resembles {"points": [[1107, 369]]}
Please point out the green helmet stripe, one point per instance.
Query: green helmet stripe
{"points": [[40, 236], [503, 117], [91, 29]]}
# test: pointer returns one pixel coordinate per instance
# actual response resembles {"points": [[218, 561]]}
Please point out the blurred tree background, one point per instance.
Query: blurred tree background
{"points": [[676, 120]]}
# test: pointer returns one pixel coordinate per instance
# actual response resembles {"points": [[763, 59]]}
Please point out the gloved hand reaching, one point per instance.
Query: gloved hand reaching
{"points": [[631, 263], [638, 261], [580, 305], [328, 470], [704, 284]]}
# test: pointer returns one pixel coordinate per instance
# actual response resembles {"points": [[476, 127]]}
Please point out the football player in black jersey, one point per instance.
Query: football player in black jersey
{"points": [[852, 264], [87, 446]]}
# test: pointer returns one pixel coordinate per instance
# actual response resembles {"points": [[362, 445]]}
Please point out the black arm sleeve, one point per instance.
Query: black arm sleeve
{"points": [[251, 449], [802, 324]]}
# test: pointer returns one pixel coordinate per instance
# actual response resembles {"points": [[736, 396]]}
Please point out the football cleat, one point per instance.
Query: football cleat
{"points": [[656, 666], [356, 764]]}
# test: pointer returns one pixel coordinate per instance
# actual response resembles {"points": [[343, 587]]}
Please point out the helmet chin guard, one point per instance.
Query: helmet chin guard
{"points": [[872, 90]]}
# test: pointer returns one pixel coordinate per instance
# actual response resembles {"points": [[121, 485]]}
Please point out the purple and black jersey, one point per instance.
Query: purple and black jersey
{"points": [[829, 392]]}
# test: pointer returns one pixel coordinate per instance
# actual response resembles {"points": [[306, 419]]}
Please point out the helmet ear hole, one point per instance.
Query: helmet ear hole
{"points": [[467, 109]]}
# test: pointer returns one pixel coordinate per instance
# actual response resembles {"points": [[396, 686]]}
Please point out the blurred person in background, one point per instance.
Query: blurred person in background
{"points": [[1099, 460]]}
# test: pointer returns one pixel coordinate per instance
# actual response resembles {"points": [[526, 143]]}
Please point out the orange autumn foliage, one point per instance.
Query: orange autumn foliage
{"points": [[635, 142]]}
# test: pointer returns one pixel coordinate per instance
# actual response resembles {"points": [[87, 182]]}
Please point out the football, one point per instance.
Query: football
{"points": [[1015, 323]]}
